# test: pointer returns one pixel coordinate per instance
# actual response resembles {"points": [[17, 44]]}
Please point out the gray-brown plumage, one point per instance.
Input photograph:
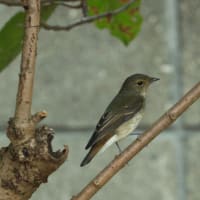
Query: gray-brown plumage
{"points": [[121, 116]]}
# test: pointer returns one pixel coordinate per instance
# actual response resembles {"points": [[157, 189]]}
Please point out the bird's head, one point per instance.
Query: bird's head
{"points": [[138, 83]]}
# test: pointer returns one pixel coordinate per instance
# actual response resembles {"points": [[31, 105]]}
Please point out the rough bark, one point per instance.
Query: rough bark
{"points": [[28, 160]]}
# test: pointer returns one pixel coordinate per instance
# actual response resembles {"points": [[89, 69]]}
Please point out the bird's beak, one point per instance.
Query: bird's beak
{"points": [[153, 79]]}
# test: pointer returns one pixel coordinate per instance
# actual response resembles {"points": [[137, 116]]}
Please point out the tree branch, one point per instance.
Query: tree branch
{"points": [[43, 2], [120, 161], [29, 159], [27, 68], [79, 22], [84, 8], [87, 19], [11, 2], [62, 3]]}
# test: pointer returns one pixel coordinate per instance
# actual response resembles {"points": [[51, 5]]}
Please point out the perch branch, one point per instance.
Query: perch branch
{"points": [[120, 161], [86, 20]]}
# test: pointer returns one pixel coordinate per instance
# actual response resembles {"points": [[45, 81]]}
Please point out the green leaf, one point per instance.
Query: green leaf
{"points": [[10, 39], [125, 25], [11, 36], [47, 12]]}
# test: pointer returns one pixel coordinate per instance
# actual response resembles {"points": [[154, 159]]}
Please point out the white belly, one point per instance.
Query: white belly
{"points": [[123, 130], [129, 126]]}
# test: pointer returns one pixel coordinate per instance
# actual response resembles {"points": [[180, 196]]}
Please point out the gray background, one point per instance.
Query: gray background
{"points": [[78, 73]]}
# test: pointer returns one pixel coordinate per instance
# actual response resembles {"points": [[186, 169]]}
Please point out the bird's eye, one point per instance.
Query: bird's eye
{"points": [[140, 83]]}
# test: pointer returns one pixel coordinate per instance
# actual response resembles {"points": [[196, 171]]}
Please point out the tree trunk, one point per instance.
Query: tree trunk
{"points": [[28, 160]]}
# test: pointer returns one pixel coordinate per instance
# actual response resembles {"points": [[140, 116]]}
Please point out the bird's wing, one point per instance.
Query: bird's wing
{"points": [[111, 120]]}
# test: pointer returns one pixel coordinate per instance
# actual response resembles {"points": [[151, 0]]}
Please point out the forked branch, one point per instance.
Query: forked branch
{"points": [[29, 159], [88, 19], [81, 5]]}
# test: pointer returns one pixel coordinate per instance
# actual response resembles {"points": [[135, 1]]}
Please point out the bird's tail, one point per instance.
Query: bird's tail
{"points": [[93, 151], [96, 148], [86, 160]]}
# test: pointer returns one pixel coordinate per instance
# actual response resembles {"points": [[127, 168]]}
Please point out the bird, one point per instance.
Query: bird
{"points": [[121, 117]]}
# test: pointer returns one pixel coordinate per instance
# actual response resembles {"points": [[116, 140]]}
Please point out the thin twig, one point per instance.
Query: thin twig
{"points": [[17, 3], [84, 8], [61, 3], [37, 117], [87, 19], [11, 2], [120, 161]]}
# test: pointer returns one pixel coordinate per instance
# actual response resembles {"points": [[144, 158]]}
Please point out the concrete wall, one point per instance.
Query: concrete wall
{"points": [[78, 73]]}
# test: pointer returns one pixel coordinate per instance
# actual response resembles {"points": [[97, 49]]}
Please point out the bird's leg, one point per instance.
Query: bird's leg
{"points": [[120, 151], [117, 144], [137, 133]]}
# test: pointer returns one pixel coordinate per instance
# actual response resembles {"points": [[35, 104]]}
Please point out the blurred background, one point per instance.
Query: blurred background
{"points": [[78, 73]]}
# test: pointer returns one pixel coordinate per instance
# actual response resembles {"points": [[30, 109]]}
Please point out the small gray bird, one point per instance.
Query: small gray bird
{"points": [[121, 116]]}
